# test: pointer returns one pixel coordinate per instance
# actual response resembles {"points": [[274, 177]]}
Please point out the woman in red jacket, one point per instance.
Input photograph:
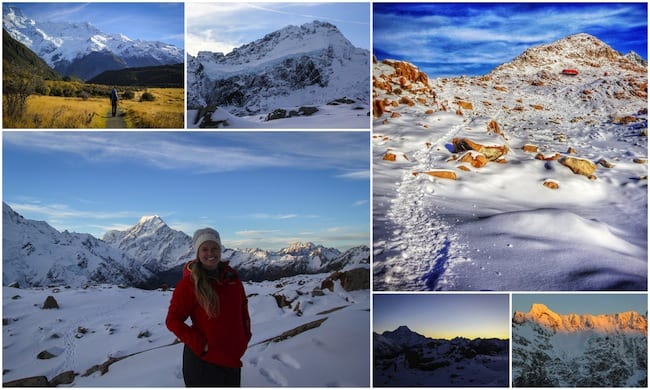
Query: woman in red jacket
{"points": [[212, 295]]}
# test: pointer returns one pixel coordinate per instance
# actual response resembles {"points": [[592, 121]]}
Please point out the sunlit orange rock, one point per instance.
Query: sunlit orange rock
{"points": [[529, 148], [580, 166]]}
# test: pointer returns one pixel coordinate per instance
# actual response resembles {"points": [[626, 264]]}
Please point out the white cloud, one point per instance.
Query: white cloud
{"points": [[205, 153]]}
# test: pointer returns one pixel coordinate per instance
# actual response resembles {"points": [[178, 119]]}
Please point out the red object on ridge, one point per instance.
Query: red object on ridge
{"points": [[571, 72]]}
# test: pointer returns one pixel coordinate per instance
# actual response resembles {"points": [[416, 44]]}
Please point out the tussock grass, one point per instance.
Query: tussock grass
{"points": [[50, 112], [166, 111], [55, 112]]}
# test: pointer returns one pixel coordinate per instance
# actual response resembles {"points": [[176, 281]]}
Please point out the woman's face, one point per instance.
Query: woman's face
{"points": [[209, 254]]}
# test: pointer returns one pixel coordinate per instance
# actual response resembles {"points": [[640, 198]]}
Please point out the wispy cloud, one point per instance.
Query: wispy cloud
{"points": [[61, 211], [225, 26], [207, 153], [445, 36]]}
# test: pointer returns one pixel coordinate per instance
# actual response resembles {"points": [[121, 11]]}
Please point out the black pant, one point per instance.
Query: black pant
{"points": [[114, 107], [199, 373]]}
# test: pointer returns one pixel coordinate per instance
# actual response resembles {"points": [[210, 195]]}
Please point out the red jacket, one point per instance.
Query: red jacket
{"points": [[226, 335]]}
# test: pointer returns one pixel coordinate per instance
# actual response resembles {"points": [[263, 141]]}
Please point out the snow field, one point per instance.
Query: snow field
{"points": [[333, 354]]}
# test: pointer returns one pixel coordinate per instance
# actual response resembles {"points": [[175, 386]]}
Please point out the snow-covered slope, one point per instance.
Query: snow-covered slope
{"points": [[522, 179], [574, 350], [403, 358], [312, 64], [35, 254], [125, 328], [80, 49]]}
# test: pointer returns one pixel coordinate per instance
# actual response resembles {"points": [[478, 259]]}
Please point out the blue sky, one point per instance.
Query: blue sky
{"points": [[583, 303], [258, 189], [162, 22], [443, 315], [450, 39], [221, 27]]}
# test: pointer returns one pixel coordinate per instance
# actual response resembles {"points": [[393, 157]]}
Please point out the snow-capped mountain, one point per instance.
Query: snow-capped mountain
{"points": [[482, 173], [80, 49], [312, 64], [157, 246], [146, 255], [403, 357], [36, 254], [572, 350], [401, 338], [298, 258], [580, 51], [626, 322]]}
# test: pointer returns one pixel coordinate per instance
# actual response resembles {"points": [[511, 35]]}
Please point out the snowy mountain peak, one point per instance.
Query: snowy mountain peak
{"points": [[151, 220], [311, 64], [81, 49], [582, 51], [625, 322]]}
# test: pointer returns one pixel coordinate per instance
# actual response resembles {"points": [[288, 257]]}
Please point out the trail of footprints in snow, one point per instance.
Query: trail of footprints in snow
{"points": [[424, 241], [274, 376]]}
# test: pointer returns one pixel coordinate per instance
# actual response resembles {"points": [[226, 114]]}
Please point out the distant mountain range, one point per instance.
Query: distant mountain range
{"points": [[82, 50], [146, 255], [404, 358], [572, 350], [309, 64]]}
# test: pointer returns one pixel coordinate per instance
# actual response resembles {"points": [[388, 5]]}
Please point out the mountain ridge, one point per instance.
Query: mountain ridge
{"points": [[83, 50], [293, 66], [629, 321], [146, 255]]}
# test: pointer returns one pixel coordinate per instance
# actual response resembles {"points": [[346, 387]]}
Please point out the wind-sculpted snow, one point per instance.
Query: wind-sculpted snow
{"points": [[403, 358], [522, 179], [572, 350]]}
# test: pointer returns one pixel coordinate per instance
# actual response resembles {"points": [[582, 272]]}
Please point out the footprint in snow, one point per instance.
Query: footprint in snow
{"points": [[274, 376], [254, 361], [287, 360]]}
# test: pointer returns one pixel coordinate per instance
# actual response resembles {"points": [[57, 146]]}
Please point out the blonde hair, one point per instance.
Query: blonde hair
{"points": [[205, 294]]}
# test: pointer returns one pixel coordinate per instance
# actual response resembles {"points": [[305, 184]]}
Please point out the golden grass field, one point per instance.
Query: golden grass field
{"points": [[53, 112]]}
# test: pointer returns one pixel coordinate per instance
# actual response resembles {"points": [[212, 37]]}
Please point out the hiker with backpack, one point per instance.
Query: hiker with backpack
{"points": [[212, 295], [114, 101]]}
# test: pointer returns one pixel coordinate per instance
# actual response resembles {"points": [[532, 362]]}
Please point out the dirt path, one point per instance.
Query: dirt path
{"points": [[115, 122]]}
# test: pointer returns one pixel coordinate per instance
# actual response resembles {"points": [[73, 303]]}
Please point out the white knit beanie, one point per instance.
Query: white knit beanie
{"points": [[203, 235]]}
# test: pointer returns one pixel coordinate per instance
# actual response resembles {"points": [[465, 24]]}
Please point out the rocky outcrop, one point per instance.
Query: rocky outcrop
{"points": [[580, 166], [491, 152]]}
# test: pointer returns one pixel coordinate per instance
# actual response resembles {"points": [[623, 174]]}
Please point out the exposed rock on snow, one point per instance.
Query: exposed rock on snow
{"points": [[580, 166], [527, 101], [312, 64]]}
